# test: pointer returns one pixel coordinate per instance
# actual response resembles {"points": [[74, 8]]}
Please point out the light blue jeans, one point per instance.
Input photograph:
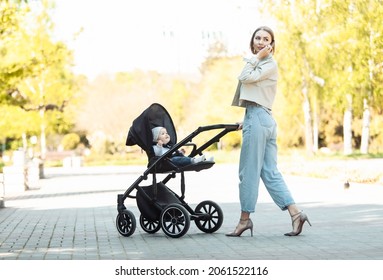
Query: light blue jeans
{"points": [[258, 160]]}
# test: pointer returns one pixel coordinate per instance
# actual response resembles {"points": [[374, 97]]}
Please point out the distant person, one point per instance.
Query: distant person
{"points": [[256, 91], [162, 138]]}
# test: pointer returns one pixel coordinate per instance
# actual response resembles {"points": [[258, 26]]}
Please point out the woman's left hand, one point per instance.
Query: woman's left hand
{"points": [[239, 125]]}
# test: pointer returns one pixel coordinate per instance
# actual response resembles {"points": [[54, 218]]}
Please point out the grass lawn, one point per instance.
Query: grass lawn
{"points": [[353, 168]]}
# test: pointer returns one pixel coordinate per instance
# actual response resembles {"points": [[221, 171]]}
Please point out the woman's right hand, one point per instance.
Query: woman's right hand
{"points": [[264, 52]]}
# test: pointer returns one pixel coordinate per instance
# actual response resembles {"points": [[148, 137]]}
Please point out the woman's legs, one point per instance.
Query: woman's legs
{"points": [[254, 138], [258, 159], [276, 185], [272, 178]]}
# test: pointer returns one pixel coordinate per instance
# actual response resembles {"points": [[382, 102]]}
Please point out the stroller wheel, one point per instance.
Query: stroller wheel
{"points": [[126, 223], [149, 226], [175, 220], [209, 216]]}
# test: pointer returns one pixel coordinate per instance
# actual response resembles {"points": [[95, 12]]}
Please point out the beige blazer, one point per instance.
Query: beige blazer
{"points": [[257, 82]]}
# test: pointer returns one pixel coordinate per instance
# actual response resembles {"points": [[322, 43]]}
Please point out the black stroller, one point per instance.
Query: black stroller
{"points": [[159, 206]]}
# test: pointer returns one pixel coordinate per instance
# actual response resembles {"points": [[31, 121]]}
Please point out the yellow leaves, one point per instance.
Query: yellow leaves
{"points": [[13, 120]]}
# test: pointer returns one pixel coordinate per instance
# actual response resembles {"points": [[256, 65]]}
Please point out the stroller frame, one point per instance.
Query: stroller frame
{"points": [[160, 207]]}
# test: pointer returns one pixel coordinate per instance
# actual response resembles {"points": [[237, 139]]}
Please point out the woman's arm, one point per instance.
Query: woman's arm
{"points": [[257, 70]]}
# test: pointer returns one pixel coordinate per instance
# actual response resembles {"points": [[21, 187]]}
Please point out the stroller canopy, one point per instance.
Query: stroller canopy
{"points": [[140, 133]]}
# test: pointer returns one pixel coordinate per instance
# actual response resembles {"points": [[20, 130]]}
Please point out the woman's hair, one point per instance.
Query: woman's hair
{"points": [[268, 30]]}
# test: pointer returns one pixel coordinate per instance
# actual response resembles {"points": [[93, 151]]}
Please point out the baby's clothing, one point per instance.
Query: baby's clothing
{"points": [[177, 157]]}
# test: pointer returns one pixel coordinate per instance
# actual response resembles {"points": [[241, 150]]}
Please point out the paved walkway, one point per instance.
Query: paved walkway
{"points": [[71, 216]]}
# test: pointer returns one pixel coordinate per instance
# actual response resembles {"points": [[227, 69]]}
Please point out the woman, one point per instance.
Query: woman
{"points": [[256, 91]]}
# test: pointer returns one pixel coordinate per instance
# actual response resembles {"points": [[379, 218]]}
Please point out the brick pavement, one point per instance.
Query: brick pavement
{"points": [[72, 217]]}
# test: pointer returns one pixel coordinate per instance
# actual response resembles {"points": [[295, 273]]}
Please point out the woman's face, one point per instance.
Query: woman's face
{"points": [[261, 39]]}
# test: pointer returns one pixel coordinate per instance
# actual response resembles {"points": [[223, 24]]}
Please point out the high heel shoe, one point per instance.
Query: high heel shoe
{"points": [[302, 219], [241, 228]]}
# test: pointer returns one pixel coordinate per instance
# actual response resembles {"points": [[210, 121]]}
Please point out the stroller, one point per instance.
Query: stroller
{"points": [[159, 206]]}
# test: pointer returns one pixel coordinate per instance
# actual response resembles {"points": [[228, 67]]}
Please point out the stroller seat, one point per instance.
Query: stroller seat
{"points": [[166, 166]]}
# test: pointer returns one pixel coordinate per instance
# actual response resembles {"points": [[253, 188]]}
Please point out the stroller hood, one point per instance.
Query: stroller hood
{"points": [[140, 133]]}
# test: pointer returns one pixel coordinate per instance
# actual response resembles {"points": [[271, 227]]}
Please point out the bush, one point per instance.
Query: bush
{"points": [[70, 141]]}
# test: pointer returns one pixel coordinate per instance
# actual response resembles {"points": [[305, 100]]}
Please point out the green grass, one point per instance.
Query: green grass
{"points": [[353, 168], [360, 168]]}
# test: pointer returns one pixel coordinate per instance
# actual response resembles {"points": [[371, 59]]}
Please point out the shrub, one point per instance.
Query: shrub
{"points": [[70, 141]]}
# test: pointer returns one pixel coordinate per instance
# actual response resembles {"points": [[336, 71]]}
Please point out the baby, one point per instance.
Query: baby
{"points": [[162, 138]]}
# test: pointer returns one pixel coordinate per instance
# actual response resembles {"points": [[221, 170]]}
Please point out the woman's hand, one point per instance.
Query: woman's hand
{"points": [[264, 52], [239, 125]]}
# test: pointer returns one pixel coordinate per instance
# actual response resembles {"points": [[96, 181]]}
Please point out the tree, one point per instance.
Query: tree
{"points": [[299, 24], [357, 50], [39, 83], [13, 65], [331, 50], [366, 16], [51, 85]]}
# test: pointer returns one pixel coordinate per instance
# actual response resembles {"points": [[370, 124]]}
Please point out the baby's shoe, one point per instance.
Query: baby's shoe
{"points": [[210, 158], [198, 159]]}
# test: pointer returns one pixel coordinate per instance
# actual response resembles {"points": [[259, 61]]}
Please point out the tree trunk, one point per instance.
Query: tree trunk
{"points": [[308, 121], [347, 127], [43, 144], [365, 128], [315, 129], [366, 110]]}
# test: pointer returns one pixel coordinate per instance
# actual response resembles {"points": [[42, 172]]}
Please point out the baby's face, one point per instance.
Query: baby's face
{"points": [[164, 136]]}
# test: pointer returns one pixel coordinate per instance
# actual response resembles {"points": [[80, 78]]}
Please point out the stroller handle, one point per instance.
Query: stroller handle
{"points": [[227, 127]]}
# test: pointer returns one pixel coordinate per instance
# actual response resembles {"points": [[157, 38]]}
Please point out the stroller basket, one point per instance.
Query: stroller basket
{"points": [[150, 208], [159, 206]]}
